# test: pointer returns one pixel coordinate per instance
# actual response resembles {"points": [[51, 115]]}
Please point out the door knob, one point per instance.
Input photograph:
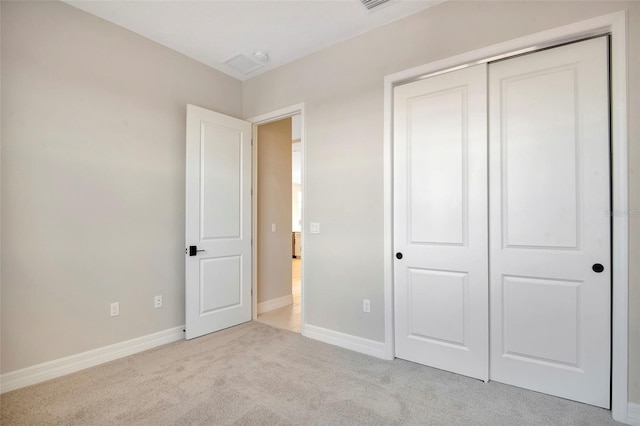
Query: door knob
{"points": [[193, 250], [398, 255], [597, 267]]}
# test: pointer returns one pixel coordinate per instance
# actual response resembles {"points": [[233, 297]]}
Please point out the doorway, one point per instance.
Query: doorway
{"points": [[278, 207]]}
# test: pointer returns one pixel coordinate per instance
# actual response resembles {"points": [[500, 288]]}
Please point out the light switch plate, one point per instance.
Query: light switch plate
{"points": [[314, 227]]}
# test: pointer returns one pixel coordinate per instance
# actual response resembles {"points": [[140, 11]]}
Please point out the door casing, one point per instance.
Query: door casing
{"points": [[615, 25]]}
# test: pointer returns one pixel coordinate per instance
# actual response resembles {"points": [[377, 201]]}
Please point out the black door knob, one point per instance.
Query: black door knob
{"points": [[597, 267], [398, 255], [193, 250]]}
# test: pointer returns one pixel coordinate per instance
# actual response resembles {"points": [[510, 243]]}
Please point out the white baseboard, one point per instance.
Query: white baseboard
{"points": [[70, 364], [633, 414], [347, 341], [270, 305]]}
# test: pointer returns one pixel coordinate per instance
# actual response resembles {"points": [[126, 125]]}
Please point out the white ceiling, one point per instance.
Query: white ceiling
{"points": [[213, 31]]}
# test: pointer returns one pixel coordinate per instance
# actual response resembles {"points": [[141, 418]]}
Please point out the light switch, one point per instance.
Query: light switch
{"points": [[314, 227], [273, 227]]}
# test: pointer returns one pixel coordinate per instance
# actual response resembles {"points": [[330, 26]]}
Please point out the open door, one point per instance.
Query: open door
{"points": [[218, 222]]}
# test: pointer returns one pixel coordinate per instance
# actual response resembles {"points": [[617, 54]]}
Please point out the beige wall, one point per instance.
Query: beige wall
{"points": [[295, 213], [342, 88], [633, 82], [93, 131], [0, 194], [274, 207]]}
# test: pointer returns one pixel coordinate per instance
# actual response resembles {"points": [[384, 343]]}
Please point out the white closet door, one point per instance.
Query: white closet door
{"points": [[549, 203], [440, 216]]}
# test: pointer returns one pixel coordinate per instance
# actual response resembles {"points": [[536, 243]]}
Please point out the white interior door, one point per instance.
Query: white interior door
{"points": [[549, 203], [218, 222], [440, 222]]}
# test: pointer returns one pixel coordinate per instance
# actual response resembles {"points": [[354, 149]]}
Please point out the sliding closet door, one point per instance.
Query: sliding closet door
{"points": [[440, 222], [549, 226]]}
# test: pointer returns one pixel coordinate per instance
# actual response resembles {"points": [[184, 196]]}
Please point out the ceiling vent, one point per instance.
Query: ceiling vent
{"points": [[243, 64], [373, 4]]}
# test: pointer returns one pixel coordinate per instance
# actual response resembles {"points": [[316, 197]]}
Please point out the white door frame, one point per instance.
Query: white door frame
{"points": [[256, 121], [614, 24]]}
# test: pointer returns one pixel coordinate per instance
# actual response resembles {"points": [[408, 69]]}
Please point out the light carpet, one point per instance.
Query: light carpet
{"points": [[254, 374]]}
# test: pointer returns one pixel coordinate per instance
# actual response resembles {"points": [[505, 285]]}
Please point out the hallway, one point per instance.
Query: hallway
{"points": [[288, 317]]}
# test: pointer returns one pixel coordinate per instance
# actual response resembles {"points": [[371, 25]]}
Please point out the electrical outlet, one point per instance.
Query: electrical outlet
{"points": [[157, 301], [115, 309], [366, 305], [273, 227]]}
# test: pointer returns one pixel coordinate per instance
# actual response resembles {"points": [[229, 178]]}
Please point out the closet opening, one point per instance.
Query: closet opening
{"points": [[550, 186]]}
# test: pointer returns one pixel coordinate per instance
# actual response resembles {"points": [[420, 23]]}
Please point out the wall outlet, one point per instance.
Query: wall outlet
{"points": [[273, 227], [115, 309], [366, 305], [157, 301]]}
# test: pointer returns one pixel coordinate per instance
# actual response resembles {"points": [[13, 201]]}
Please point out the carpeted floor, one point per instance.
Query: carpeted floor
{"points": [[254, 374]]}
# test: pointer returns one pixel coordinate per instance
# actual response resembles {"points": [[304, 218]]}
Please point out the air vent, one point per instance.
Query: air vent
{"points": [[243, 64], [372, 4]]}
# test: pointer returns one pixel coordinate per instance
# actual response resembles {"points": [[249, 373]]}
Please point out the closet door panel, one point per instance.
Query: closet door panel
{"points": [[549, 221], [440, 222]]}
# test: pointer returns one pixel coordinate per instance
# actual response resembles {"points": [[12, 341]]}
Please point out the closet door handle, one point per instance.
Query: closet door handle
{"points": [[597, 267], [398, 255]]}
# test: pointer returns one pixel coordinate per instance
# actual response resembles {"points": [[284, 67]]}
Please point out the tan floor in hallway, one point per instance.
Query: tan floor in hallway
{"points": [[289, 317]]}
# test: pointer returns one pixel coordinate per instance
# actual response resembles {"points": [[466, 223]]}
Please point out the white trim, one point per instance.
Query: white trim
{"points": [[620, 232], [270, 305], [256, 121], [633, 414], [279, 114], [347, 341], [615, 24], [70, 364], [387, 218]]}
